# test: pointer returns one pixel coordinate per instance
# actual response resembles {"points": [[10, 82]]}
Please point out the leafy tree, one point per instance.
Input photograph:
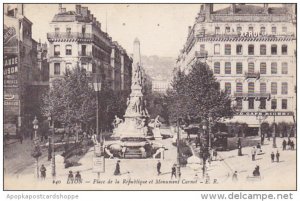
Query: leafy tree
{"points": [[198, 94], [71, 99]]}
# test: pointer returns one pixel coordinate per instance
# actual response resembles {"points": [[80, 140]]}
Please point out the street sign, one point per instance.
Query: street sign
{"points": [[98, 150], [99, 164]]}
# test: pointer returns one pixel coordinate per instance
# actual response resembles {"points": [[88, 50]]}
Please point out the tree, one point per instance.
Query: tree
{"points": [[71, 99], [198, 94]]}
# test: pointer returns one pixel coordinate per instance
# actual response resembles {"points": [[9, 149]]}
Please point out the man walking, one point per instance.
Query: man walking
{"points": [[284, 145], [253, 153], [277, 156], [272, 157], [43, 172], [173, 173], [158, 166]]}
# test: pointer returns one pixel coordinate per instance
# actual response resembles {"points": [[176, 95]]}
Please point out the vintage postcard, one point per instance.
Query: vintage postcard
{"points": [[149, 96]]}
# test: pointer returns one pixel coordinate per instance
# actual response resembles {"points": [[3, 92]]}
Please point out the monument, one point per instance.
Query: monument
{"points": [[132, 132]]}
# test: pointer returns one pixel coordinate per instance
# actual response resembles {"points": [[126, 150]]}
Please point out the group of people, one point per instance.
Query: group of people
{"points": [[71, 179], [290, 145]]}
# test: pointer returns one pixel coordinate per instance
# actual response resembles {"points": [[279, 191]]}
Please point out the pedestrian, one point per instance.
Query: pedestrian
{"points": [[173, 173], [117, 170], [158, 166], [235, 176], [239, 145], [292, 145], [207, 179], [284, 145], [256, 172], [289, 143], [253, 153], [272, 156], [43, 171], [70, 177], [78, 177], [215, 155], [277, 156], [21, 139]]}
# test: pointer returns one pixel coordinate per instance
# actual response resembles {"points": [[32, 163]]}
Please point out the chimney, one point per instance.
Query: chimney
{"points": [[208, 8], [59, 7], [232, 8], [84, 11], [266, 8], [78, 9]]}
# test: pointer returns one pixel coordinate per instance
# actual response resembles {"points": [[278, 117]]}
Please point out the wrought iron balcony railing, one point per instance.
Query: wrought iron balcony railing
{"points": [[69, 35], [252, 95], [252, 75]]}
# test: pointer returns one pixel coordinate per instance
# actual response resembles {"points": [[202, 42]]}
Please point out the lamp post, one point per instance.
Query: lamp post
{"points": [[53, 166], [97, 87], [274, 128], [178, 149], [204, 146], [260, 119], [36, 153]]}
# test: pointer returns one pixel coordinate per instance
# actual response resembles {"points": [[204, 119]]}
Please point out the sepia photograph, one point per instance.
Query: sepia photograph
{"points": [[198, 96]]}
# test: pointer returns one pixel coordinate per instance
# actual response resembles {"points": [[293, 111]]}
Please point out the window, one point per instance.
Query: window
{"points": [[250, 29], [273, 30], [228, 87], [251, 49], [239, 30], [56, 68], [263, 87], [284, 88], [227, 68], [273, 88], [83, 50], [68, 30], [84, 66], [284, 49], [251, 87], [263, 49], [251, 103], [217, 67], [262, 104], [284, 68], [227, 29], [68, 66], [56, 50], [273, 68], [68, 49], [263, 68], [239, 87], [251, 67], [239, 49], [274, 49], [262, 30], [284, 29], [274, 104], [284, 104], [217, 48], [239, 104], [56, 30], [217, 30], [227, 49], [239, 68]]}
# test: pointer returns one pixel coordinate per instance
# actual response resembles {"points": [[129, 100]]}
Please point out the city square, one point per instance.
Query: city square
{"points": [[81, 112]]}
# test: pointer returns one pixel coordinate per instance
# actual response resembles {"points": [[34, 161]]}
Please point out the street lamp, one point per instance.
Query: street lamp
{"points": [[36, 153], [274, 126], [178, 149], [53, 147], [260, 119], [204, 146], [35, 126]]}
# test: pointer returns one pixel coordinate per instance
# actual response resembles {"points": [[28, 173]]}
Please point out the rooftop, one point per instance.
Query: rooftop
{"points": [[70, 16], [252, 9]]}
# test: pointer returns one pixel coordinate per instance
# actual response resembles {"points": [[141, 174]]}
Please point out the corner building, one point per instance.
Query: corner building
{"points": [[78, 40], [252, 52]]}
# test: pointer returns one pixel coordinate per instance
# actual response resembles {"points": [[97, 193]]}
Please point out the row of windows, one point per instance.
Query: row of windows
{"points": [[263, 87], [239, 29], [57, 67], [262, 104], [239, 49], [68, 49], [68, 30], [251, 68]]}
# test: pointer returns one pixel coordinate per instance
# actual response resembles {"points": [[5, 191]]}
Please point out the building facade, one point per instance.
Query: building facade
{"points": [[252, 52], [78, 40], [20, 69]]}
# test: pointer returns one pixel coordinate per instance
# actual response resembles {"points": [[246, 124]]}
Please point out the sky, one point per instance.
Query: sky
{"points": [[161, 28]]}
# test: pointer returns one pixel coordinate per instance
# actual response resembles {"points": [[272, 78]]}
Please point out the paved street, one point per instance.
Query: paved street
{"points": [[134, 172]]}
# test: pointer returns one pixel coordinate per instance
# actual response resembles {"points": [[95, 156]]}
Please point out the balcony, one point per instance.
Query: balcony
{"points": [[258, 95], [201, 54], [255, 75], [66, 35]]}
